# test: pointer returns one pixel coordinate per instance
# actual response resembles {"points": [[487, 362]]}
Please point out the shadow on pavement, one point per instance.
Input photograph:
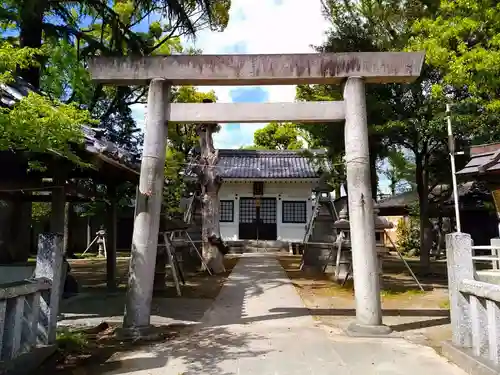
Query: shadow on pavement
{"points": [[199, 352]]}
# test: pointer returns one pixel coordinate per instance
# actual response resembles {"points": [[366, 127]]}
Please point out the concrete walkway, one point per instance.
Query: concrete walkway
{"points": [[258, 325]]}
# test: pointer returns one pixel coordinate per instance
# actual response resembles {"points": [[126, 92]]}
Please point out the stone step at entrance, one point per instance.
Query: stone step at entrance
{"points": [[252, 246]]}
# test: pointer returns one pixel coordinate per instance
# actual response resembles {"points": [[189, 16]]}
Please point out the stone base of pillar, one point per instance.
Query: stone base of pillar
{"points": [[146, 333], [356, 329]]}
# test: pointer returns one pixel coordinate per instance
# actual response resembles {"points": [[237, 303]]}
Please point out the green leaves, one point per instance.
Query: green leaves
{"points": [[400, 171], [38, 124], [12, 57], [182, 139], [278, 136], [65, 76], [463, 41]]}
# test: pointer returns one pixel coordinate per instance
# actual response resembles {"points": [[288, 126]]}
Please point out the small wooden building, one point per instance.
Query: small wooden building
{"points": [[60, 182], [477, 215], [267, 195]]}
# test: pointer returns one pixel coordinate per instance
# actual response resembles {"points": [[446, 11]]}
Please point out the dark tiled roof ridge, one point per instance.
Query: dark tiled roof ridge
{"points": [[283, 153]]}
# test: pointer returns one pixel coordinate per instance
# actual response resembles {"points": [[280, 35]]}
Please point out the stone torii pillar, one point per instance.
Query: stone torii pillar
{"points": [[364, 249], [147, 210], [352, 69]]}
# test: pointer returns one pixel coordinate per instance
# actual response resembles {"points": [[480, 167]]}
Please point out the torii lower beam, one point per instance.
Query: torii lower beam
{"points": [[257, 112], [353, 69]]}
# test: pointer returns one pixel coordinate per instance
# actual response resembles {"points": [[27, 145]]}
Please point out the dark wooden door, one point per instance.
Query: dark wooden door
{"points": [[257, 219], [248, 219], [266, 219]]}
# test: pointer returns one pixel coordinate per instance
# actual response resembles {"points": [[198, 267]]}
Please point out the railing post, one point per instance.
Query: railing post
{"points": [[495, 263], [31, 314], [460, 267], [13, 328], [49, 264], [3, 311]]}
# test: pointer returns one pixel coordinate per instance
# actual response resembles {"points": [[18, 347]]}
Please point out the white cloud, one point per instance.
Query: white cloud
{"points": [[289, 26]]}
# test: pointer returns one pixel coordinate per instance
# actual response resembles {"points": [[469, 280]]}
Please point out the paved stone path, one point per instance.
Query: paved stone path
{"points": [[259, 325]]}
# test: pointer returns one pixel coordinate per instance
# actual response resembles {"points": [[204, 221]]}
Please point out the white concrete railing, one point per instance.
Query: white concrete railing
{"points": [[29, 308], [494, 258], [22, 325], [474, 305]]}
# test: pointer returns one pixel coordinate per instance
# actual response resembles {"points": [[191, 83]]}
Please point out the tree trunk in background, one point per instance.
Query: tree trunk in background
{"points": [[66, 228], [22, 228], [422, 179], [338, 190], [16, 236], [30, 34], [213, 248]]}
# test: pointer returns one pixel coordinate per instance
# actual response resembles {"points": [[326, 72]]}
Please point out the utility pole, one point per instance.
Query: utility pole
{"points": [[451, 148]]}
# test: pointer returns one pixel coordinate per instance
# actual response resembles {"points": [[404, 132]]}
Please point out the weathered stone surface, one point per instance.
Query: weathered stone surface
{"points": [[480, 289], [460, 267], [49, 265], [306, 112], [493, 312], [148, 208], [3, 310], [469, 363], [22, 288], [479, 326], [275, 69], [12, 329], [361, 219]]}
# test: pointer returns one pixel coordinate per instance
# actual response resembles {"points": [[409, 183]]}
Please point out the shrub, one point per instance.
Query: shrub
{"points": [[408, 236]]}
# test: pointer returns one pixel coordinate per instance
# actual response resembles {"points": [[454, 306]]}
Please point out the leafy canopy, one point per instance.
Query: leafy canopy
{"points": [[36, 123], [278, 136], [462, 39]]}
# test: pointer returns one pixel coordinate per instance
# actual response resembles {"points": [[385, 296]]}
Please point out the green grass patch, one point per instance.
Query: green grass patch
{"points": [[93, 256], [388, 293], [445, 304], [71, 341]]}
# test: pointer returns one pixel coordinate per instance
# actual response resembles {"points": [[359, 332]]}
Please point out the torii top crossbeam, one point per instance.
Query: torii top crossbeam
{"points": [[270, 69]]}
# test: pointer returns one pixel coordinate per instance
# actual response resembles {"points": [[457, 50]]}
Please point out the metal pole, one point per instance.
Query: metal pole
{"points": [[404, 261], [451, 146]]}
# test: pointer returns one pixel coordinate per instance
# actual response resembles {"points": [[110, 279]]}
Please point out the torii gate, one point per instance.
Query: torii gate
{"points": [[161, 72]]}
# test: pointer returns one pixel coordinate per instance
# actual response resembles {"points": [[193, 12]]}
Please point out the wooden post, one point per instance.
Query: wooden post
{"points": [[66, 225], [89, 231], [111, 239], [148, 210], [58, 206]]}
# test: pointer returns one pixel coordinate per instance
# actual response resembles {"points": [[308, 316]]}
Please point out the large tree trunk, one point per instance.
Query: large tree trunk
{"points": [[422, 178], [213, 249], [30, 34], [338, 190]]}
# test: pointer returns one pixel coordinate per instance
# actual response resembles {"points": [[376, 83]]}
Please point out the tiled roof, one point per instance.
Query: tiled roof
{"points": [[95, 140], [263, 164], [485, 160], [441, 191]]}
